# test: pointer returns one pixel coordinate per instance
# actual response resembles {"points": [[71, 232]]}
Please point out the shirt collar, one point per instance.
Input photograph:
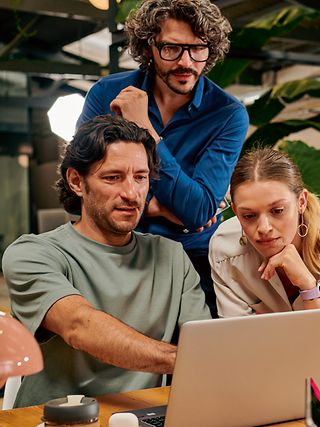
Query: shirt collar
{"points": [[198, 94], [146, 83]]}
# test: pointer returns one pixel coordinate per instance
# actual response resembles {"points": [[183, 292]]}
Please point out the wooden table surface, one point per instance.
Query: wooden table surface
{"points": [[31, 416]]}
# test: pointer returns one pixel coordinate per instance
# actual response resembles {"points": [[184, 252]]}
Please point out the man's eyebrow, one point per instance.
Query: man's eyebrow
{"points": [[182, 44], [142, 171], [116, 170]]}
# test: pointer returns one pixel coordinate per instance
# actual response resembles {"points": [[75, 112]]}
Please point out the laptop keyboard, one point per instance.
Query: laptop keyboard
{"points": [[155, 421]]}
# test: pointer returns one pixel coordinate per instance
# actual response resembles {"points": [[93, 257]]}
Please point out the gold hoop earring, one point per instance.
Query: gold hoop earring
{"points": [[243, 239], [303, 229]]}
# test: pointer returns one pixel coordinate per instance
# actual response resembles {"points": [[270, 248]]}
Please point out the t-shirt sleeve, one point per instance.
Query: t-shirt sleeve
{"points": [[193, 306], [36, 274]]}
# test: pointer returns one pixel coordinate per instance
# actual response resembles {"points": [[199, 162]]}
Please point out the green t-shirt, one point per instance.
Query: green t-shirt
{"points": [[149, 284]]}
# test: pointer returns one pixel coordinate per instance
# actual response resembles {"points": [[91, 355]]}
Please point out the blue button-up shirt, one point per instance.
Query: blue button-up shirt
{"points": [[199, 148]]}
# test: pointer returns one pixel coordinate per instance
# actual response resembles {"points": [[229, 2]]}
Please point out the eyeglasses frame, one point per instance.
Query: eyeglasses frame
{"points": [[184, 46]]}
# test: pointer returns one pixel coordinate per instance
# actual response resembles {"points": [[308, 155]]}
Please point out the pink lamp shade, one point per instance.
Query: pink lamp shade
{"points": [[20, 353]]}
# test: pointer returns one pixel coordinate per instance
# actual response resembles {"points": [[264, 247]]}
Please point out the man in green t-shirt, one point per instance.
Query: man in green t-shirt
{"points": [[103, 300]]}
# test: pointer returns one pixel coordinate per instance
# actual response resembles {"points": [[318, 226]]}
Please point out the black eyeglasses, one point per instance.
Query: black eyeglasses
{"points": [[174, 51]]}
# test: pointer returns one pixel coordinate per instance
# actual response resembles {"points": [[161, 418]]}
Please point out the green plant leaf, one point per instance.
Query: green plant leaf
{"points": [[275, 99], [124, 8], [227, 214], [254, 36], [285, 20], [269, 134], [225, 73], [307, 159]]}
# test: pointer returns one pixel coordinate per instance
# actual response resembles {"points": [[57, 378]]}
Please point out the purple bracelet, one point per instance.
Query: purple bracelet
{"points": [[311, 293]]}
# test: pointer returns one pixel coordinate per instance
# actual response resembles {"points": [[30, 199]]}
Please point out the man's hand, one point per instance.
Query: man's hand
{"points": [[132, 104], [154, 208], [212, 220]]}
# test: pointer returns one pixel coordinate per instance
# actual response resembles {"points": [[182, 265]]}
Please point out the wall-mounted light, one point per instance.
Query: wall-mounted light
{"points": [[100, 4], [63, 115]]}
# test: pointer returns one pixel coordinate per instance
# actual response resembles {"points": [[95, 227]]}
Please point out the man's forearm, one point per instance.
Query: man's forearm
{"points": [[108, 339]]}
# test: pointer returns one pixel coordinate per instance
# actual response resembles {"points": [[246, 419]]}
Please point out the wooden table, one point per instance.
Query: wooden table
{"points": [[31, 416]]}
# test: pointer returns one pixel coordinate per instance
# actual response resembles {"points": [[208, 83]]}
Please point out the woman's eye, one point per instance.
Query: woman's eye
{"points": [[248, 216], [277, 211]]}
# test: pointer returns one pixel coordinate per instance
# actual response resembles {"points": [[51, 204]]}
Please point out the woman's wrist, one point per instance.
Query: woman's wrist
{"points": [[308, 284], [311, 293]]}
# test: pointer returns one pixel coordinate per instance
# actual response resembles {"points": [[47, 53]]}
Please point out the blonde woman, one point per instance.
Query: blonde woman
{"points": [[267, 258]]}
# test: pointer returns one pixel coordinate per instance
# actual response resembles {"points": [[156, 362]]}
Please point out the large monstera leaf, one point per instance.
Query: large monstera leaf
{"points": [[274, 100], [308, 160], [269, 134], [252, 37]]}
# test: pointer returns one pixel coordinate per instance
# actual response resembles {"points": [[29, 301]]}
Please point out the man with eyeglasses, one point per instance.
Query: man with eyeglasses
{"points": [[198, 127]]}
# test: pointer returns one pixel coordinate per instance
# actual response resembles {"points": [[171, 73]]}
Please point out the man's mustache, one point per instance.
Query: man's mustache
{"points": [[129, 205], [183, 71]]}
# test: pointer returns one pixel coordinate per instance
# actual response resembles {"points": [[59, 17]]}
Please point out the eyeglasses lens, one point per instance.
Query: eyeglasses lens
{"points": [[171, 52]]}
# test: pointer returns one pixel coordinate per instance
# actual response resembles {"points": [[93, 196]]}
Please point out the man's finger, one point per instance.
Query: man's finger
{"points": [[198, 230]]}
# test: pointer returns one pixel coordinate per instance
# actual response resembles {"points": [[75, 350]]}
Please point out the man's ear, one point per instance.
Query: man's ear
{"points": [[75, 181], [149, 54]]}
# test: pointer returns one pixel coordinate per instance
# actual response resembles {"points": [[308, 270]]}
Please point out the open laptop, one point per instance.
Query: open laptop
{"points": [[242, 371]]}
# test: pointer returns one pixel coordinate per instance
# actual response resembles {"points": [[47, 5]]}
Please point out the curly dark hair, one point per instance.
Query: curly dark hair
{"points": [[90, 145], [204, 18]]}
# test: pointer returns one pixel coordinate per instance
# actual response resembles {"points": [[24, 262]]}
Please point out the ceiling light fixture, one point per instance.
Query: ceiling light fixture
{"points": [[100, 4]]}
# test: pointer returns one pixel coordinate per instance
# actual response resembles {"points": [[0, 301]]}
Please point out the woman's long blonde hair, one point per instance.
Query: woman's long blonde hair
{"points": [[266, 164]]}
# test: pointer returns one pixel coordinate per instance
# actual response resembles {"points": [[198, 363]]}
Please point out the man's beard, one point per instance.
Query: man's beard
{"points": [[165, 77], [107, 224], [103, 221]]}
